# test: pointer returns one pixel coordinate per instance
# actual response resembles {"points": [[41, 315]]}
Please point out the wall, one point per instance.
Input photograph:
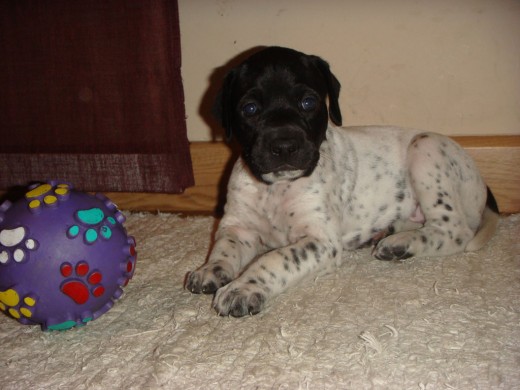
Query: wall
{"points": [[451, 66]]}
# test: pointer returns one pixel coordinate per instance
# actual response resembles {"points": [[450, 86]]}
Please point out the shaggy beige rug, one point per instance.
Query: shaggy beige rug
{"points": [[428, 323]]}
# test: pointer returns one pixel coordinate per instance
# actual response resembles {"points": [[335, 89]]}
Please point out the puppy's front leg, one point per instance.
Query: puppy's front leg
{"points": [[273, 273], [234, 248]]}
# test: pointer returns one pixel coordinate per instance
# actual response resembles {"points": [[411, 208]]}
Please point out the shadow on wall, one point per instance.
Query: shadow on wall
{"points": [[207, 104], [207, 112]]}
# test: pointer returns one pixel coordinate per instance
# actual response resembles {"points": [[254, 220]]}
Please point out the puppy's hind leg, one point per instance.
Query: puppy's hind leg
{"points": [[488, 224], [443, 179]]}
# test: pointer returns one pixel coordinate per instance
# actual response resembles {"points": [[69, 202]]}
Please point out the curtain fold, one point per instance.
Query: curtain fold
{"points": [[91, 93]]}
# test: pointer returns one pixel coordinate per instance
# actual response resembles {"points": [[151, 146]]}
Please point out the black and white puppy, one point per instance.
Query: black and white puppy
{"points": [[305, 190]]}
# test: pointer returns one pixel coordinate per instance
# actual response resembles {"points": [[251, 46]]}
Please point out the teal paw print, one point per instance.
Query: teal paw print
{"points": [[96, 223]]}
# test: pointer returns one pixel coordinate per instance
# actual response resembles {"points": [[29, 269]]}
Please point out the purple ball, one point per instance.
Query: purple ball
{"points": [[64, 256]]}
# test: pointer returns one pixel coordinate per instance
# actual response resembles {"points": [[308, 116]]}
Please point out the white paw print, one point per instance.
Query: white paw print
{"points": [[13, 246]]}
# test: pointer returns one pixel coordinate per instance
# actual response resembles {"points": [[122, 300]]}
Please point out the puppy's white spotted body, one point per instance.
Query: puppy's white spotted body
{"points": [[408, 192]]}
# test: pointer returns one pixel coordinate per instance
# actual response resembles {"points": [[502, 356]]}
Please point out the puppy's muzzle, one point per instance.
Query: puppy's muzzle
{"points": [[284, 155], [284, 148]]}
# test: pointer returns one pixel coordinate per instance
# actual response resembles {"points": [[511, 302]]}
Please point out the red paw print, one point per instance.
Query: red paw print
{"points": [[80, 290]]}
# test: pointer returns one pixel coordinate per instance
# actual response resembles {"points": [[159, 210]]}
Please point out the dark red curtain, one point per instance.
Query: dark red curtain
{"points": [[91, 93]]}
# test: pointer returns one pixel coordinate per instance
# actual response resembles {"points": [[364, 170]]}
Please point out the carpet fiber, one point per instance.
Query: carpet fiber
{"points": [[426, 323]]}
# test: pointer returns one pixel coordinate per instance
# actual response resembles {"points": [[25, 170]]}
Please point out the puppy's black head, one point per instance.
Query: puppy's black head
{"points": [[275, 104]]}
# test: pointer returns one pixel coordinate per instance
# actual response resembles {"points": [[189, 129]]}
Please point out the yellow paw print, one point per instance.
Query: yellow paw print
{"points": [[44, 195], [11, 303]]}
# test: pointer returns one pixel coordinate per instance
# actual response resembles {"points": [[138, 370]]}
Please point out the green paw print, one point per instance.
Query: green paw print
{"points": [[68, 324], [96, 223]]}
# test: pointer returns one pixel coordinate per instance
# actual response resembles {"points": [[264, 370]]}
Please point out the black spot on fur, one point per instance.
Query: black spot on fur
{"points": [[296, 259], [312, 247], [400, 196], [401, 184], [355, 242], [445, 218]]}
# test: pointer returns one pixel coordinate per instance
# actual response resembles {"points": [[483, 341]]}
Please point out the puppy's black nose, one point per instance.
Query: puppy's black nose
{"points": [[284, 147]]}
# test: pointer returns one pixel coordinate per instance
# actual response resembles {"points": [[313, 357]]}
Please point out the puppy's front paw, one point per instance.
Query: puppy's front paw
{"points": [[209, 278], [238, 300], [399, 246]]}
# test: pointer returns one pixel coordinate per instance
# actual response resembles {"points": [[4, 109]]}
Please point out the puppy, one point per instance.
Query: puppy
{"points": [[304, 190]]}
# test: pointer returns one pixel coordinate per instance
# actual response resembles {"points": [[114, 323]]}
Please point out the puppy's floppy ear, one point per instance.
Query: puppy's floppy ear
{"points": [[223, 108], [333, 87]]}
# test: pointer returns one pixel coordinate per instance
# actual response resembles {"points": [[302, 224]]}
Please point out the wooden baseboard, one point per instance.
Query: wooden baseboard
{"points": [[498, 158]]}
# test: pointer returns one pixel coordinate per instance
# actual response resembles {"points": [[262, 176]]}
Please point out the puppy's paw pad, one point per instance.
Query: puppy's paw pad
{"points": [[238, 302], [392, 253], [396, 247], [207, 279], [194, 282]]}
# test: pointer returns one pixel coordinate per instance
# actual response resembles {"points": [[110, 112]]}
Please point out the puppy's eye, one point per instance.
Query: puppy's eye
{"points": [[250, 109], [309, 103]]}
